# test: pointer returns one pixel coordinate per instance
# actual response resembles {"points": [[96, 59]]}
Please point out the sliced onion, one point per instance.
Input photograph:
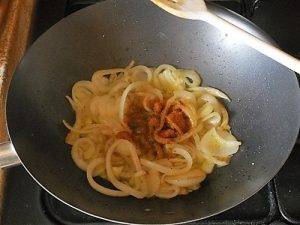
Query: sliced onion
{"points": [[130, 65], [214, 144], [225, 118], [104, 106], [164, 112], [104, 83], [214, 118], [168, 191], [189, 134], [171, 170], [170, 82], [165, 77], [72, 103], [98, 187], [81, 155], [191, 178], [184, 182], [186, 95], [153, 182], [205, 110], [129, 88], [192, 78], [207, 166], [82, 91], [118, 184], [191, 112], [119, 86], [218, 161], [213, 91], [117, 170], [137, 69]]}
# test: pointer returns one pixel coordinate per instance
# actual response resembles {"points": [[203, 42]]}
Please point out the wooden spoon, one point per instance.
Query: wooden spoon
{"points": [[197, 10]]}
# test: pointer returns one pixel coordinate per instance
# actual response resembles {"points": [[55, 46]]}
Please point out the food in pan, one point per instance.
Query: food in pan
{"points": [[151, 132]]}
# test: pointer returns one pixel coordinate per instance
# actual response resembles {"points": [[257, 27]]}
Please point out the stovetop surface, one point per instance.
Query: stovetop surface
{"points": [[277, 203]]}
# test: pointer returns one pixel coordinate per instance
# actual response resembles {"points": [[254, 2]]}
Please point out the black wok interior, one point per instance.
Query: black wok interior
{"points": [[264, 109]]}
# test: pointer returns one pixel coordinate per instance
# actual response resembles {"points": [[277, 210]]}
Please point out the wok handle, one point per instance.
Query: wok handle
{"points": [[254, 42], [8, 155]]}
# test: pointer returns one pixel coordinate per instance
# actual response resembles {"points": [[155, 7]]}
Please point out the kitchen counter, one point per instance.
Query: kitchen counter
{"points": [[15, 25]]}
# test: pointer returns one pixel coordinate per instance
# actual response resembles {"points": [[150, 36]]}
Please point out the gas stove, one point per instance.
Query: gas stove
{"points": [[24, 202]]}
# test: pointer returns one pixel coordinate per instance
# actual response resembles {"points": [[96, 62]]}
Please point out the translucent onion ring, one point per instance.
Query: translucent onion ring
{"points": [[97, 186]]}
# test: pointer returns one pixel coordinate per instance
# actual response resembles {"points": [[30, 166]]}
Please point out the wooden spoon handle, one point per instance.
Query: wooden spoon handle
{"points": [[252, 41]]}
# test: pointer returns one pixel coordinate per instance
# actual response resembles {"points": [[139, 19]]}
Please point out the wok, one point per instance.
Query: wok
{"points": [[264, 109]]}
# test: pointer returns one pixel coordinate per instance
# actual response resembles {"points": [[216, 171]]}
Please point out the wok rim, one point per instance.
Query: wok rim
{"points": [[242, 199]]}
